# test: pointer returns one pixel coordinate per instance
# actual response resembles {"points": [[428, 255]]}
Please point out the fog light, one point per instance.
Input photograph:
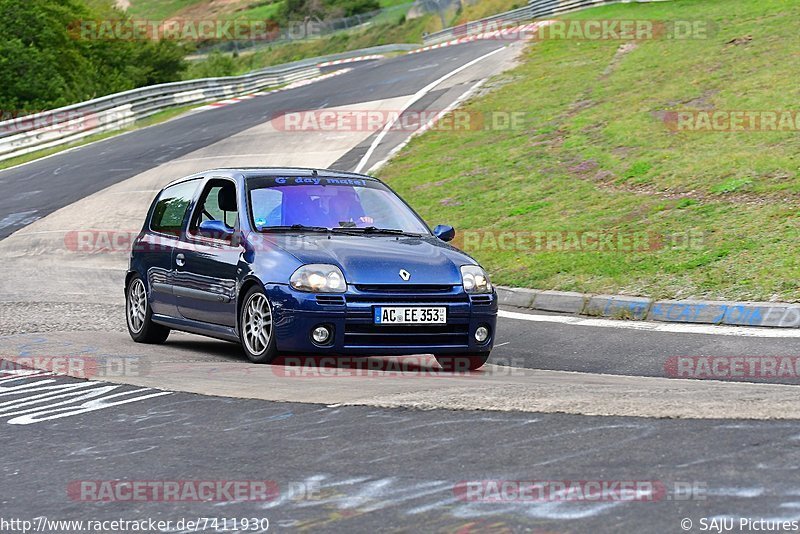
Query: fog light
{"points": [[481, 334], [321, 334]]}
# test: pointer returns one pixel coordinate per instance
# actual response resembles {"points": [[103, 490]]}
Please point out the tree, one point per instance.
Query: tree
{"points": [[46, 63]]}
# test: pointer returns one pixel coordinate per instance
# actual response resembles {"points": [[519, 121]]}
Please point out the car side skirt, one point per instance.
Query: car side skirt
{"points": [[225, 333]]}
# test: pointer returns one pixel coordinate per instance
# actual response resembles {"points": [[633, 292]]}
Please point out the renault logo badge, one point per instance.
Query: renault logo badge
{"points": [[405, 275]]}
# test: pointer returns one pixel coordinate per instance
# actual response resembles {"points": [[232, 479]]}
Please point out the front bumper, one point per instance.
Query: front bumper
{"points": [[350, 315]]}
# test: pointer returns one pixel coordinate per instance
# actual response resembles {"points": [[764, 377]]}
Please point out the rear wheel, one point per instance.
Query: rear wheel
{"points": [[140, 317], [256, 329], [461, 363]]}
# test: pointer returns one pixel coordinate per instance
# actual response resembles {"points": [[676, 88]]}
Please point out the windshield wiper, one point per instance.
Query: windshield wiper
{"points": [[375, 230], [295, 228], [347, 230]]}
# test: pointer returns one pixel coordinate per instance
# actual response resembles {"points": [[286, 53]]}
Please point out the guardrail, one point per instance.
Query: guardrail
{"points": [[69, 124], [534, 10], [310, 29]]}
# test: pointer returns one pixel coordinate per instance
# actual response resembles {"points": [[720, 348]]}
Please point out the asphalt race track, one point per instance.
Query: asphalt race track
{"points": [[39, 188], [564, 399]]}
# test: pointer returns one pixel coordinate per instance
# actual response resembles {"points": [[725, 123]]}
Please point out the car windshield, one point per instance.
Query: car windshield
{"points": [[343, 204]]}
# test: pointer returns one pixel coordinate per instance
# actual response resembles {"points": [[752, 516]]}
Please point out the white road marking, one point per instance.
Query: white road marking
{"points": [[426, 67], [679, 328], [457, 102], [36, 397], [415, 97]]}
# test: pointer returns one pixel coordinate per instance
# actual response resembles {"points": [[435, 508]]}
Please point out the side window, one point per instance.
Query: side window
{"points": [[217, 203], [171, 208]]}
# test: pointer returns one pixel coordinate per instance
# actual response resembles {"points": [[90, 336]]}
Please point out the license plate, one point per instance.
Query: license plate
{"points": [[386, 315]]}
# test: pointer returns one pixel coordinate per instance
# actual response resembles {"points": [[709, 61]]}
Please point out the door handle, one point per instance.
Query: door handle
{"points": [[180, 260]]}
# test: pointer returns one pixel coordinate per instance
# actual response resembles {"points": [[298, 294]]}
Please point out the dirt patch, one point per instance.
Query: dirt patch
{"points": [[622, 51], [583, 168], [606, 180], [212, 9], [739, 41], [429, 185]]}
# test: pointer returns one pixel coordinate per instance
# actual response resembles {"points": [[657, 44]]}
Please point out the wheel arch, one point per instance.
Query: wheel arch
{"points": [[247, 284], [129, 276]]}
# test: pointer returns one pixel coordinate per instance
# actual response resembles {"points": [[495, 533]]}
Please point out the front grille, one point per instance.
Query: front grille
{"points": [[404, 288], [331, 300], [407, 298], [370, 335], [481, 300], [360, 331]]}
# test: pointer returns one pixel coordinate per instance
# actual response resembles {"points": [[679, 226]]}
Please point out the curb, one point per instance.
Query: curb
{"points": [[293, 85], [759, 314], [527, 31], [350, 60]]}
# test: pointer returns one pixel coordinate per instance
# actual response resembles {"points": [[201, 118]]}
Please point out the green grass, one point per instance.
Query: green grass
{"points": [[387, 33], [594, 154], [159, 9], [253, 10], [486, 8], [260, 12]]}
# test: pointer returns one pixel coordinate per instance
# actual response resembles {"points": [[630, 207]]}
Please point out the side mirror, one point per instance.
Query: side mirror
{"points": [[444, 232], [215, 230]]}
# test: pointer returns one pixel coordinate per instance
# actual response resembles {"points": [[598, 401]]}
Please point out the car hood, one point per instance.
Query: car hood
{"points": [[378, 259]]}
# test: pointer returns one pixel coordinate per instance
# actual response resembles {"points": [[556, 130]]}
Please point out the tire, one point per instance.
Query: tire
{"points": [[461, 363], [139, 315], [256, 327]]}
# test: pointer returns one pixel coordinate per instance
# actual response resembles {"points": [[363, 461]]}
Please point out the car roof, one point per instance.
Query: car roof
{"points": [[260, 172]]}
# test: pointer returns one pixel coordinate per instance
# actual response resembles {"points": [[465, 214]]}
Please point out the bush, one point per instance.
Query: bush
{"points": [[215, 65]]}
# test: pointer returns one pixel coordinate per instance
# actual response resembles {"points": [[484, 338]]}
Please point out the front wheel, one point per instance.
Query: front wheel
{"points": [[256, 328], [139, 315], [461, 363]]}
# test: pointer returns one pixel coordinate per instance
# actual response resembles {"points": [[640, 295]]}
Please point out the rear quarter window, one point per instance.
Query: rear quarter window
{"points": [[170, 210]]}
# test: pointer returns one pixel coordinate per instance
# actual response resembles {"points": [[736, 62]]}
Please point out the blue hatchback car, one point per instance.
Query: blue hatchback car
{"points": [[309, 261]]}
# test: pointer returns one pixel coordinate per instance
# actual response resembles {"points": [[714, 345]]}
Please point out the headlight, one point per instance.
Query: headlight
{"points": [[475, 279], [318, 278]]}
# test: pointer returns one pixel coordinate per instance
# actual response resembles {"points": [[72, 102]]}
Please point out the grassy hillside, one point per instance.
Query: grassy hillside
{"points": [[160, 9], [386, 28], [224, 65], [223, 9], [594, 154]]}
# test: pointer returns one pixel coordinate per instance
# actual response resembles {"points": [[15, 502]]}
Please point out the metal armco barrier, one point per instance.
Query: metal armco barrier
{"points": [[20, 136], [534, 10]]}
